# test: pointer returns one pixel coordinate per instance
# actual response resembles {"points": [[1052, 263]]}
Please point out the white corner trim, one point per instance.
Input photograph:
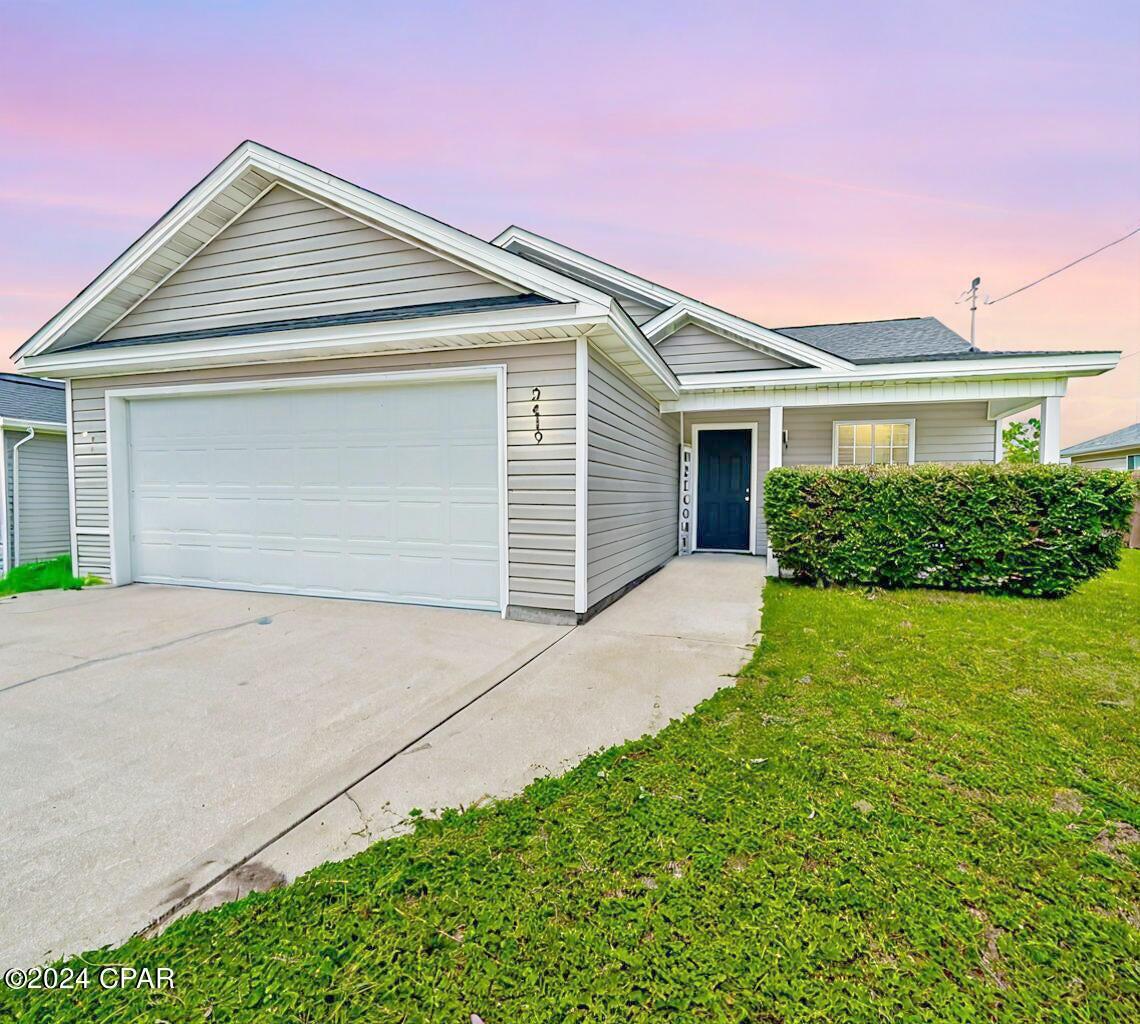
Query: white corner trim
{"points": [[71, 504], [775, 461], [753, 477], [999, 442], [836, 424], [504, 511], [581, 471]]}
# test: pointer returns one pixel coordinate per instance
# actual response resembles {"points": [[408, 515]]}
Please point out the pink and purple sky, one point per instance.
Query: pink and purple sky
{"points": [[793, 163]]}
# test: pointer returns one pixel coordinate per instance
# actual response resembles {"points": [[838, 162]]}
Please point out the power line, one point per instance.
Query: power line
{"points": [[1123, 238]]}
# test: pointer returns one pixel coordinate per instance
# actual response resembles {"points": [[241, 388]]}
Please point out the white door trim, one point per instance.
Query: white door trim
{"points": [[117, 408], [698, 429]]}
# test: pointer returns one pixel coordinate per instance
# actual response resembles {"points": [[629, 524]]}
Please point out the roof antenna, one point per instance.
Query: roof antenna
{"points": [[972, 294]]}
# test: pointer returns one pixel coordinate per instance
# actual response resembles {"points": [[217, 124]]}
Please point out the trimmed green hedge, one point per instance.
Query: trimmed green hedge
{"points": [[1032, 530]]}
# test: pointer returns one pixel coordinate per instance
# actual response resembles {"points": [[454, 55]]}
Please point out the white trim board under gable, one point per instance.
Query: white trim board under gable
{"points": [[229, 189]]}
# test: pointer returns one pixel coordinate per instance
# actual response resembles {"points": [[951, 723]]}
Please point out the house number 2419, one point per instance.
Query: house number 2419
{"points": [[536, 394]]}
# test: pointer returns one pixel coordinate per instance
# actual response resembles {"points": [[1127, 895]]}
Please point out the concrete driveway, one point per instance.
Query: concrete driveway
{"points": [[163, 749]]}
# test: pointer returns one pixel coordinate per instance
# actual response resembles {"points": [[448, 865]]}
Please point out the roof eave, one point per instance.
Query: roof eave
{"points": [[1087, 364], [409, 335]]}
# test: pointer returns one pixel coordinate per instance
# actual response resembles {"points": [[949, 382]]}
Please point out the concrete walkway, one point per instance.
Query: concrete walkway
{"points": [[165, 749], [647, 659]]}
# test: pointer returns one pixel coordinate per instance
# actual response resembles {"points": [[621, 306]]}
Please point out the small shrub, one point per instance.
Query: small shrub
{"points": [[51, 574], [1030, 530]]}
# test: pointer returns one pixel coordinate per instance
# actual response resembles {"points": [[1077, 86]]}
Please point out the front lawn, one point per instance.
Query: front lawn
{"points": [[50, 574], [914, 806]]}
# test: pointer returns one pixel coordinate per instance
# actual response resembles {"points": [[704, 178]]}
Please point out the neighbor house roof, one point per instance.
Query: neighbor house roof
{"points": [[31, 398], [1125, 437]]}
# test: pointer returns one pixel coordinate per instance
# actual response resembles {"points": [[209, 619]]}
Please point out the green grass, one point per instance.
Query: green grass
{"points": [[52, 574], [914, 806]]}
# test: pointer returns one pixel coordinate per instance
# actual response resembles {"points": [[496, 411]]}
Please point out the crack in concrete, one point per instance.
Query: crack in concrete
{"points": [[140, 650], [155, 926], [365, 819]]}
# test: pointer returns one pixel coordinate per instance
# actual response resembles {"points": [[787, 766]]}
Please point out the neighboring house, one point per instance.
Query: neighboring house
{"points": [[1118, 450], [290, 383], [33, 471]]}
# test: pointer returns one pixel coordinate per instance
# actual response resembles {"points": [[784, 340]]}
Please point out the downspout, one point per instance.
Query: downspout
{"points": [[4, 559], [16, 494]]}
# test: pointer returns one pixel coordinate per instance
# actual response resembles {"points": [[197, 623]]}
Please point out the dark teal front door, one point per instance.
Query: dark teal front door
{"points": [[724, 481]]}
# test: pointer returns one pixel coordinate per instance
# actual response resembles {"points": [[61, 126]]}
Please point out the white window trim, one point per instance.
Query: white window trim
{"points": [[836, 424], [117, 408], [699, 429]]}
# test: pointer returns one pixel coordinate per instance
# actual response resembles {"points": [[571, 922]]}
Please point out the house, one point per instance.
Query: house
{"points": [[290, 383], [33, 470], [1117, 450]]}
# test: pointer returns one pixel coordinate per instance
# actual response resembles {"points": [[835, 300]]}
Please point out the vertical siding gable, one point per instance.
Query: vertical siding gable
{"points": [[289, 256]]}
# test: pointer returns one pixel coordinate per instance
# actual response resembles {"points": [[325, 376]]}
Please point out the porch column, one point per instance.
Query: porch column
{"points": [[775, 458], [1050, 440]]}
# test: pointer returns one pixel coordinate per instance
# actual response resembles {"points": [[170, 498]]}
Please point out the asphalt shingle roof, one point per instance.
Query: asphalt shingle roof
{"points": [[30, 398], [876, 341], [1125, 437]]}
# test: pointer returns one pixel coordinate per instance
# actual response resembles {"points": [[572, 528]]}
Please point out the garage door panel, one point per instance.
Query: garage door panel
{"points": [[384, 492]]}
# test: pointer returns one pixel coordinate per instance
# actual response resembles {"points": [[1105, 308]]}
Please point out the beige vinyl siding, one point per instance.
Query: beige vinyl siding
{"points": [[42, 511], [289, 256], [746, 419], [639, 312], [1099, 461], [632, 472], [943, 431], [540, 477], [693, 349]]}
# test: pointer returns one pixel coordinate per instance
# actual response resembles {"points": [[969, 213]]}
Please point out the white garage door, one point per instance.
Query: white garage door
{"points": [[383, 492]]}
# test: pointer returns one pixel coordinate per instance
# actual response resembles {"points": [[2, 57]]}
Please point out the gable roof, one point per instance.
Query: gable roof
{"points": [[226, 193], [676, 309], [1125, 437], [869, 341], [32, 398]]}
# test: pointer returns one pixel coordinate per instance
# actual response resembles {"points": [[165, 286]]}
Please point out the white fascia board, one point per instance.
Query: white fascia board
{"points": [[39, 426], [631, 334], [691, 311], [882, 393], [360, 202], [519, 240], [315, 343], [450, 241], [1085, 364], [138, 253]]}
